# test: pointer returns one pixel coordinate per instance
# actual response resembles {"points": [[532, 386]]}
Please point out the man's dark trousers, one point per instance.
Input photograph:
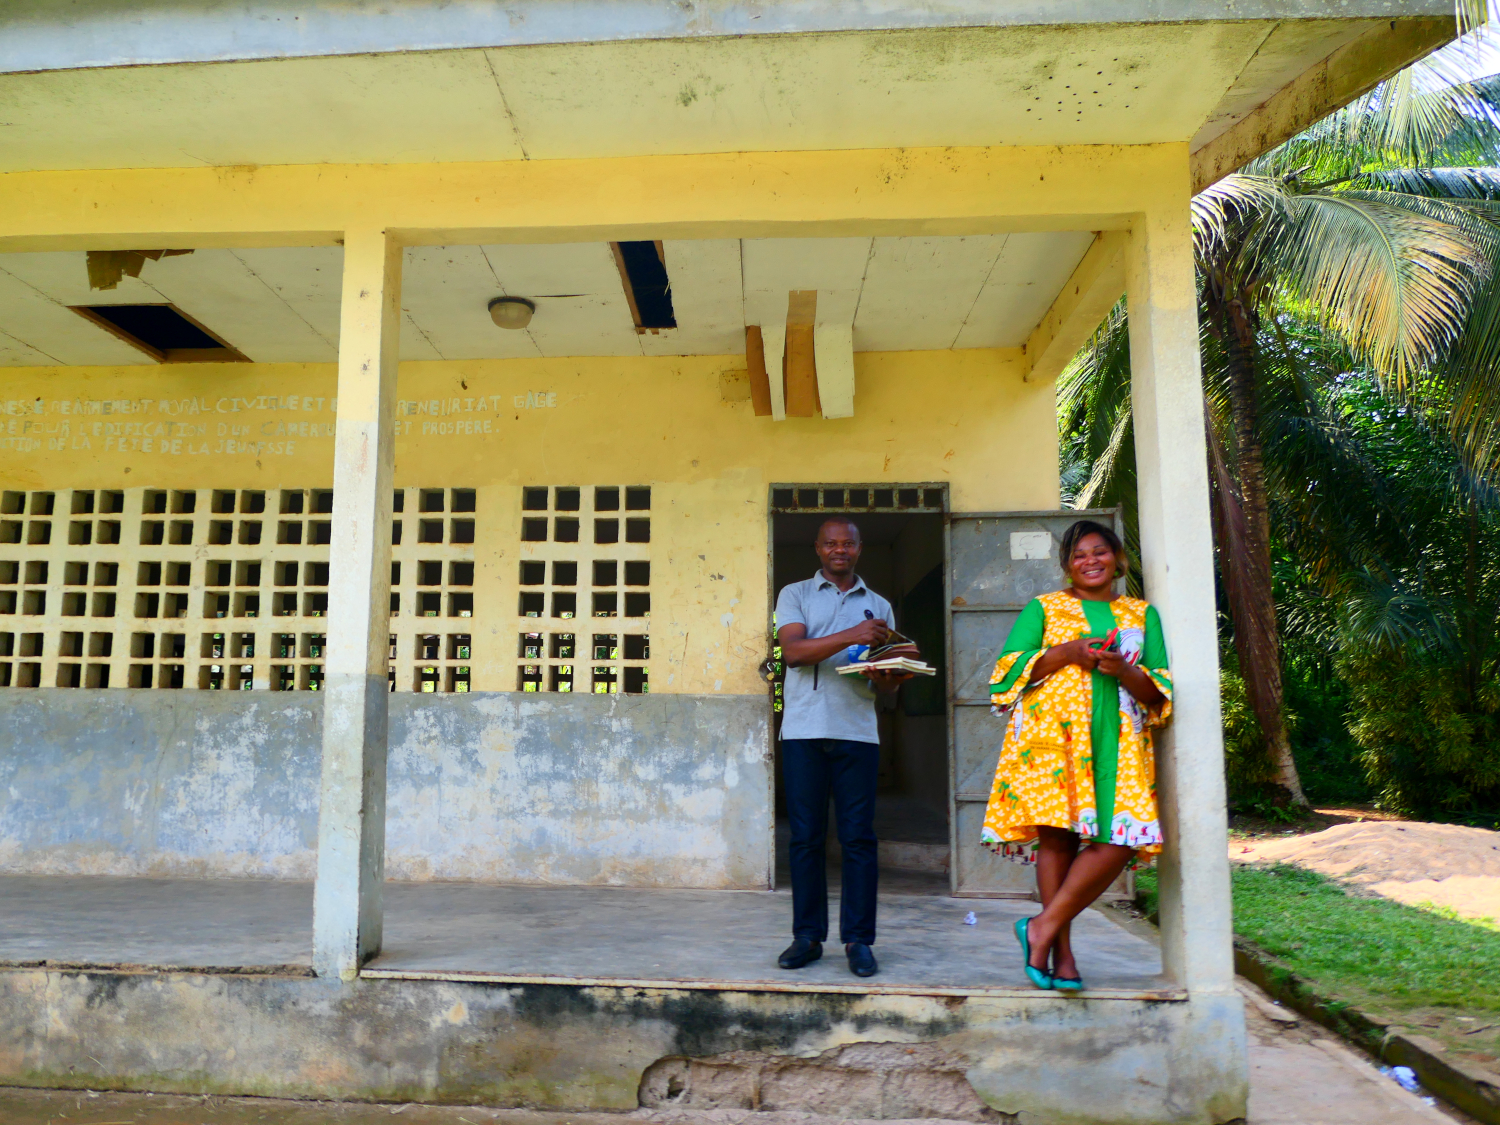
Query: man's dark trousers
{"points": [[811, 769]]}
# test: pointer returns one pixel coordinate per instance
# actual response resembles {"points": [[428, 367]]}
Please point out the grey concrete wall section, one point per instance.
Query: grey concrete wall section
{"points": [[58, 34], [661, 790], [1044, 1059], [158, 782]]}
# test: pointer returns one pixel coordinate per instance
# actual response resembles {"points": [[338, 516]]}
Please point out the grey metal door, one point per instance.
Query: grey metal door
{"points": [[998, 561]]}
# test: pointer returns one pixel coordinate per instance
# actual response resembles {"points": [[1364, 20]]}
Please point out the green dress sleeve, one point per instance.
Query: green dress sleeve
{"points": [[1022, 648], [1155, 664]]}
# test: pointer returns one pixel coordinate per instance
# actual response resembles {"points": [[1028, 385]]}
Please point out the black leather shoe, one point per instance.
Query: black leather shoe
{"points": [[861, 959], [802, 951]]}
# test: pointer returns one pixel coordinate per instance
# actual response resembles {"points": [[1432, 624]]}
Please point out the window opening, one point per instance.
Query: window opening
{"points": [[910, 498], [285, 573]]}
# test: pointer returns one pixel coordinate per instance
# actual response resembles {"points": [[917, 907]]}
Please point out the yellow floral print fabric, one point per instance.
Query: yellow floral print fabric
{"points": [[1045, 775]]}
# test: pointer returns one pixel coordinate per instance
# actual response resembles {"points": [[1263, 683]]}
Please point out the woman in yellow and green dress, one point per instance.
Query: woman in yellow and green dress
{"points": [[1082, 682]]}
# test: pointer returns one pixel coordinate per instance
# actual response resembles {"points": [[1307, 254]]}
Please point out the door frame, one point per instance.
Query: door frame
{"points": [[1115, 519], [924, 494]]}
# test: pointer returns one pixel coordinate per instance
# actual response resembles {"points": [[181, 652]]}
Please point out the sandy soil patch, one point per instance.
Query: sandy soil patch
{"points": [[1444, 864]]}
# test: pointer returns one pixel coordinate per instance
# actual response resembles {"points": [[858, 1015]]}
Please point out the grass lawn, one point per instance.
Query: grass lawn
{"points": [[1434, 974]]}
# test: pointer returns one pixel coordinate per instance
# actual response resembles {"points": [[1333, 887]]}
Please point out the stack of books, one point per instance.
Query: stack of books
{"points": [[899, 655]]}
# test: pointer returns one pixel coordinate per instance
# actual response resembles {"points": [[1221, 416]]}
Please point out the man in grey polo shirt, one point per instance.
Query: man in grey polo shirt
{"points": [[830, 745]]}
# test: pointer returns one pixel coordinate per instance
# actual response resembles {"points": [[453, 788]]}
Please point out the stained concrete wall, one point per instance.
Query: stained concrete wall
{"points": [[658, 790], [1044, 1059]]}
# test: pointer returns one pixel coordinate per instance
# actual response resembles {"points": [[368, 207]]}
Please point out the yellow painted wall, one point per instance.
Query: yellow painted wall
{"points": [[682, 425]]}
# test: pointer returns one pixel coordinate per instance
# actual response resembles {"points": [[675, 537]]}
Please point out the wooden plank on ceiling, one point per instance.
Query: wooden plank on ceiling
{"points": [[755, 364], [833, 348], [773, 333], [801, 362]]}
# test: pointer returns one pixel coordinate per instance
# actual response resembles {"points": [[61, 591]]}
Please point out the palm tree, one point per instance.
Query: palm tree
{"points": [[1387, 569], [1377, 225]]}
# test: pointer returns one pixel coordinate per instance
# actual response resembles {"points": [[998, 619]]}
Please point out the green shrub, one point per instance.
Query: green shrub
{"points": [[1328, 759], [1247, 765], [1429, 743]]}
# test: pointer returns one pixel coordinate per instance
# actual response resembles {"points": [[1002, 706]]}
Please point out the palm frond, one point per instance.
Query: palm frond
{"points": [[1432, 113], [1471, 14], [1109, 465], [1223, 210], [1470, 375], [1394, 283], [1467, 182], [1390, 617]]}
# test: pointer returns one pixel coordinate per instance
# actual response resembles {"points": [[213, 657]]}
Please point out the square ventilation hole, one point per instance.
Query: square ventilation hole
{"points": [[163, 332]]}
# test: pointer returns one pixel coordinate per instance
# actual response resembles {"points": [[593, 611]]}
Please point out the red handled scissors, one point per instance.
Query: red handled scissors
{"points": [[1109, 644]]}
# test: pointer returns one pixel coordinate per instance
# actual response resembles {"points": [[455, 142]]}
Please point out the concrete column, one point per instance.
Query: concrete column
{"points": [[347, 910], [1177, 556]]}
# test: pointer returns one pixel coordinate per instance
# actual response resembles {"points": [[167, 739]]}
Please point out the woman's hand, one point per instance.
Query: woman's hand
{"points": [[1113, 663], [1077, 652], [1133, 679], [1060, 656]]}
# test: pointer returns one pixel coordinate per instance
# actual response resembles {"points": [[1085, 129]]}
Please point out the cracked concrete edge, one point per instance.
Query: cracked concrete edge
{"points": [[1470, 1088], [875, 1079]]}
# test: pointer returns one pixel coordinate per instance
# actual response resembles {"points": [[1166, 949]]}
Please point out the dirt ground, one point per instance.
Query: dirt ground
{"points": [[1299, 1075], [1446, 865]]}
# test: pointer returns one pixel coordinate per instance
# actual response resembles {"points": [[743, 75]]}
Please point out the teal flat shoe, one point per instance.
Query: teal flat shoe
{"points": [[1036, 976], [1068, 984]]}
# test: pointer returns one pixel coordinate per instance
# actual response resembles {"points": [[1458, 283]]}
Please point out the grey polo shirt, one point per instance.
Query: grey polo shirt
{"points": [[817, 702]]}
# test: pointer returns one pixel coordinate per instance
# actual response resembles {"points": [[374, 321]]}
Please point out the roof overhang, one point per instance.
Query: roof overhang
{"points": [[208, 123], [40, 35], [181, 83]]}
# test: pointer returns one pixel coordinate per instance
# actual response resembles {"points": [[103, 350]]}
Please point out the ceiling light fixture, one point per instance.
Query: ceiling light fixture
{"points": [[511, 312]]}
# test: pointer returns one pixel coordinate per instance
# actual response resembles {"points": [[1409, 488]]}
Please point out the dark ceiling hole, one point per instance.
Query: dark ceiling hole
{"points": [[158, 330], [646, 284], [157, 325]]}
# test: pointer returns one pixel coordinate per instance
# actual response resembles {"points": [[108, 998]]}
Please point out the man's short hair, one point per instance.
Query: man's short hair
{"points": [[844, 521]]}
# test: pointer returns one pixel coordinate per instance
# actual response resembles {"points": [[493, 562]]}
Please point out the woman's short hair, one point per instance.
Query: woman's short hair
{"points": [[1074, 535]]}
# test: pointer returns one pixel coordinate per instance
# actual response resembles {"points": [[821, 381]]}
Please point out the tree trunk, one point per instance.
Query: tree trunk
{"points": [[1245, 549]]}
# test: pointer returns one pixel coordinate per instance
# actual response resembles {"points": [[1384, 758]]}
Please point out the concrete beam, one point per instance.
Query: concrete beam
{"points": [[347, 910], [1177, 557], [937, 191], [1352, 70], [1096, 285]]}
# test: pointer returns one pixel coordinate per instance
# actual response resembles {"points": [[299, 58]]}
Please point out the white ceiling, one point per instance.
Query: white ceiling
{"points": [[282, 305]]}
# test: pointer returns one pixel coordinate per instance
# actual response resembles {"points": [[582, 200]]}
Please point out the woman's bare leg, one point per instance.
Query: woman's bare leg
{"points": [[1056, 850], [1089, 876]]}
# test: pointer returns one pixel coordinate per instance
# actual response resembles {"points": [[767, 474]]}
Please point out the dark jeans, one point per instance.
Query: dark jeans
{"points": [[812, 769]]}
